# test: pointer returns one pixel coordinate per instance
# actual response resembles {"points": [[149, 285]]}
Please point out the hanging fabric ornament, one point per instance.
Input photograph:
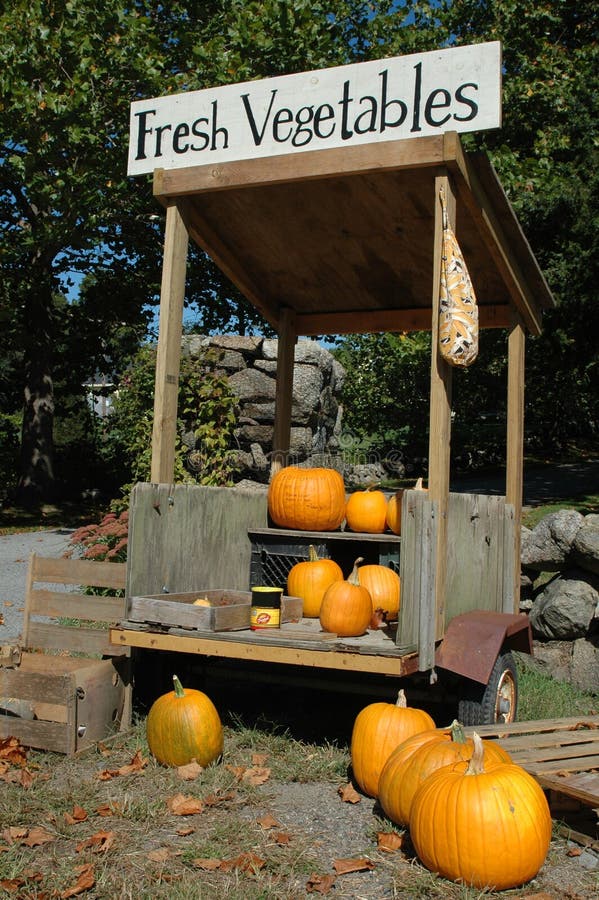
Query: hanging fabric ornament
{"points": [[458, 312]]}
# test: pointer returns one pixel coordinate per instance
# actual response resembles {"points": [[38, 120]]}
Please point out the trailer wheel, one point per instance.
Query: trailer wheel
{"points": [[494, 702]]}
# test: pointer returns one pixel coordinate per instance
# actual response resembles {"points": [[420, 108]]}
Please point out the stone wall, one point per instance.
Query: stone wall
{"points": [[560, 592], [250, 364]]}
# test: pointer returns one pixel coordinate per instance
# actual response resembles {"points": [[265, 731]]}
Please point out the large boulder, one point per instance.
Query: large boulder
{"points": [[547, 546], [565, 608], [585, 548]]}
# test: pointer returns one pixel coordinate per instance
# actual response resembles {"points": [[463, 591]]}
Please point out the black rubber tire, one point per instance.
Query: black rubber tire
{"points": [[495, 702]]}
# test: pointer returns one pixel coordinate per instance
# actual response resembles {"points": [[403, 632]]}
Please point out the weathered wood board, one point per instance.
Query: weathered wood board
{"points": [[416, 626], [480, 554], [225, 610], [184, 536], [562, 754]]}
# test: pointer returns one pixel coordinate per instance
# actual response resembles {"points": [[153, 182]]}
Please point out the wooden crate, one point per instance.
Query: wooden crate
{"points": [[67, 701], [228, 610]]}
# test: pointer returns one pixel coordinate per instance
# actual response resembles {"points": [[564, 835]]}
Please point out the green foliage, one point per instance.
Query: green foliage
{"points": [[205, 424]]}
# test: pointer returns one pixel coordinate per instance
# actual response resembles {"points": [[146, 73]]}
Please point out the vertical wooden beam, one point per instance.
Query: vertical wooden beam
{"points": [[284, 396], [169, 347], [440, 409], [515, 438]]}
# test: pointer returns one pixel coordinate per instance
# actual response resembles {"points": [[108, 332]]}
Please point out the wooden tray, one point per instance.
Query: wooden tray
{"points": [[228, 610]]}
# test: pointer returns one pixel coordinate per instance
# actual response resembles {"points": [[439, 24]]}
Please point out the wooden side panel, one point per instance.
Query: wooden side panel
{"points": [[479, 554], [190, 537], [52, 736], [77, 606], [78, 571], [89, 641], [417, 567]]}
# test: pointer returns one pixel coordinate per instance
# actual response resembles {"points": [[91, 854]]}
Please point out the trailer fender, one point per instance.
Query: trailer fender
{"points": [[473, 641]]}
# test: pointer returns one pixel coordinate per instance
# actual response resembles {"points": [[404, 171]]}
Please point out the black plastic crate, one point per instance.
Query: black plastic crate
{"points": [[274, 553]]}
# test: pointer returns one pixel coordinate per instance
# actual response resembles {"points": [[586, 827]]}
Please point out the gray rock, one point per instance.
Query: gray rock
{"points": [[231, 361], [243, 343], [547, 547], [307, 384], [552, 659], [364, 474], [585, 548], [565, 608], [252, 384], [585, 664]]}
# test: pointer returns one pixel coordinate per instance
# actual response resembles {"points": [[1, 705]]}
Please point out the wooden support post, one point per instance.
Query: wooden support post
{"points": [[515, 439], [440, 410], [285, 359], [169, 347]]}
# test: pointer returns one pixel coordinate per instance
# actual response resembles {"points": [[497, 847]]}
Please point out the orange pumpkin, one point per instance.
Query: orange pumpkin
{"points": [[346, 607], [383, 586], [488, 826], [307, 499], [184, 725], [419, 756], [393, 513], [366, 511], [378, 729], [309, 580]]}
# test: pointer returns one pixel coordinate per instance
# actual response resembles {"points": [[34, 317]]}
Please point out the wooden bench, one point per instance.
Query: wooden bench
{"points": [[69, 685]]}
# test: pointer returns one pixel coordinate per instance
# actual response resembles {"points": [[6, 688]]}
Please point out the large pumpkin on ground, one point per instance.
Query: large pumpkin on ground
{"points": [[184, 725], [307, 499], [378, 729], [420, 756], [485, 825], [310, 579], [383, 586], [366, 511], [346, 607]]}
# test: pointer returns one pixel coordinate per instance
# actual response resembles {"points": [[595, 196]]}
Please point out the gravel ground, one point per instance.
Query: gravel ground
{"points": [[14, 559]]}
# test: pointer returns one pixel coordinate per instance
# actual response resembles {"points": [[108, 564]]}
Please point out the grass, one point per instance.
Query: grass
{"points": [[586, 504], [542, 697]]}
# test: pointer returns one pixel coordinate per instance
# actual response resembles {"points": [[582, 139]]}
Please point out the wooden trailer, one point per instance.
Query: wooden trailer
{"points": [[336, 241]]}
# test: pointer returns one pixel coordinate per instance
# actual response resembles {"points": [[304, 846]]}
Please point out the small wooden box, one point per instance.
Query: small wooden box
{"points": [[228, 610], [74, 702]]}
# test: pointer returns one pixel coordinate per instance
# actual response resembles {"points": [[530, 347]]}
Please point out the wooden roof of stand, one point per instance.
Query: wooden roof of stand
{"points": [[344, 237]]}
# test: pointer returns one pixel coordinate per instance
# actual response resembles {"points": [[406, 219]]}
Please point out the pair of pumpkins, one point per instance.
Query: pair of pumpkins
{"points": [[313, 499], [474, 815], [351, 603]]}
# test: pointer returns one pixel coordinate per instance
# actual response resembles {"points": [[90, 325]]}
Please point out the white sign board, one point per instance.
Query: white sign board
{"points": [[458, 89]]}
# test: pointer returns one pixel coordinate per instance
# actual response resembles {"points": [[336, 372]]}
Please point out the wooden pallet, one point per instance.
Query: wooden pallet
{"points": [[562, 754]]}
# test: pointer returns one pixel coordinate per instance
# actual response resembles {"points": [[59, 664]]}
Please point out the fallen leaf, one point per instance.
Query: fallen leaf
{"points": [[268, 821], [78, 815], [12, 751], [36, 837], [85, 881], [161, 855], [344, 866], [574, 851], [259, 759], [320, 884], [99, 842], [184, 832], [136, 765], [256, 775], [348, 793], [245, 862], [109, 809], [14, 833], [180, 805], [238, 771], [190, 772], [389, 841], [215, 799], [282, 838], [208, 864]]}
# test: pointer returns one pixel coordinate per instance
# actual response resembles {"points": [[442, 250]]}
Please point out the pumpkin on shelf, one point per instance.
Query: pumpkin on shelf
{"points": [[484, 825], [346, 607], [182, 726], [307, 499], [394, 507], [418, 757], [310, 579], [383, 585], [366, 511], [378, 729]]}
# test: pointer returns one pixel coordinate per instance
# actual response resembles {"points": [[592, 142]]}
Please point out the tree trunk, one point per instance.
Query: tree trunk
{"points": [[36, 481]]}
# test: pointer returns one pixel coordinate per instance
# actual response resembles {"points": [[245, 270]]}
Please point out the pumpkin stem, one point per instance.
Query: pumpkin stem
{"points": [[456, 729], [418, 485], [401, 699], [354, 578], [312, 554], [179, 692], [475, 766]]}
